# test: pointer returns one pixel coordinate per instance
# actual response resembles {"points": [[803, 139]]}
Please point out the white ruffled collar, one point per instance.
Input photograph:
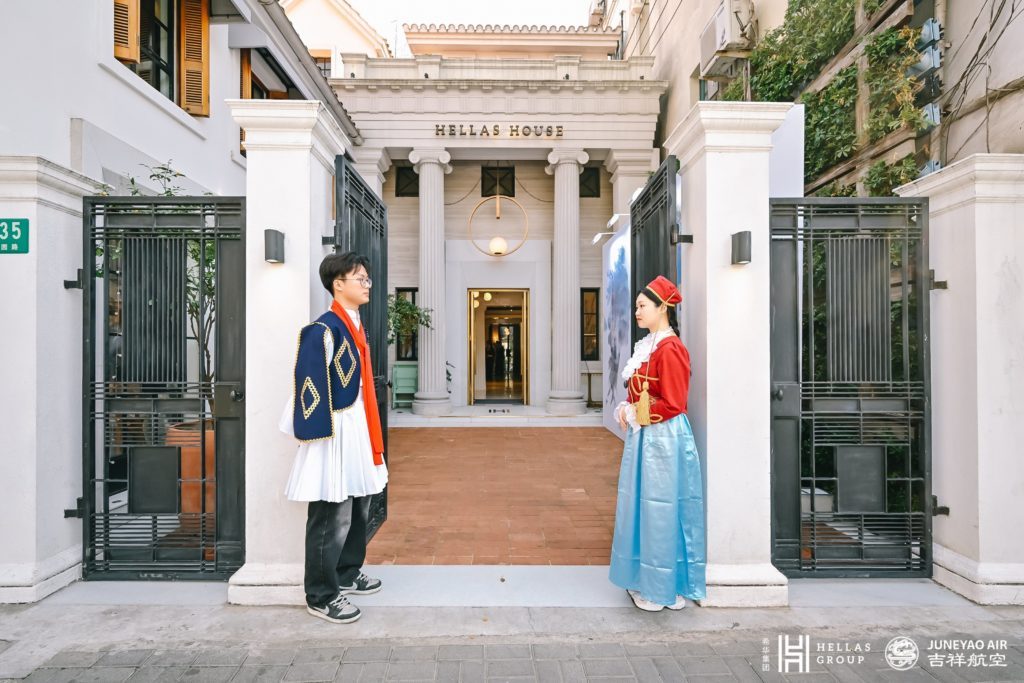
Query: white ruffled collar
{"points": [[643, 349]]}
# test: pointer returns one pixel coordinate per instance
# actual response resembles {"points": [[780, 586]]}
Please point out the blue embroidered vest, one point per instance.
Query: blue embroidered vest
{"points": [[324, 388]]}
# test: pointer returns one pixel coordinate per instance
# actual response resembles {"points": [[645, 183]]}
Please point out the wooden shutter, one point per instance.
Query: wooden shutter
{"points": [[244, 88], [277, 94], [126, 30], [194, 60]]}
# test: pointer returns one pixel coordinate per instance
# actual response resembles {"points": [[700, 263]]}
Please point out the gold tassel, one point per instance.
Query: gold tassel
{"points": [[643, 406]]}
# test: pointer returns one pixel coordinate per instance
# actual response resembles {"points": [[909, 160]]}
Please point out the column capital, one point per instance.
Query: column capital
{"points": [[726, 127], [372, 157], [631, 162], [566, 156], [431, 155], [282, 125]]}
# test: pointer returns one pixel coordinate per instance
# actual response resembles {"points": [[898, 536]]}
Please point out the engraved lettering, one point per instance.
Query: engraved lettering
{"points": [[513, 131], [558, 131], [438, 129]]}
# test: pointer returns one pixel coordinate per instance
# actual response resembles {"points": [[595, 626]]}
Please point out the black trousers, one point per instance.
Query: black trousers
{"points": [[335, 546]]}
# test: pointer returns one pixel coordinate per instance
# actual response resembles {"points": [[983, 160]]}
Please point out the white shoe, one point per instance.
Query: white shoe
{"points": [[679, 604], [645, 605]]}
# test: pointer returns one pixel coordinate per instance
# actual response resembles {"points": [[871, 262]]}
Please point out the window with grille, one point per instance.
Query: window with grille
{"points": [[406, 344], [589, 323], [497, 180], [590, 182], [407, 182]]}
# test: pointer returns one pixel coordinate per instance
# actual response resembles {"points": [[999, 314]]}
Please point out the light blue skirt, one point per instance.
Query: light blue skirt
{"points": [[658, 548]]}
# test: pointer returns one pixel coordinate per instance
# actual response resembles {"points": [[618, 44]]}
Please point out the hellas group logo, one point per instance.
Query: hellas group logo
{"points": [[794, 654], [901, 653]]}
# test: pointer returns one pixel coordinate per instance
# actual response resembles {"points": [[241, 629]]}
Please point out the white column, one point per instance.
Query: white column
{"points": [[372, 163], [432, 398], [723, 150], [291, 146], [41, 402], [566, 396], [630, 170], [976, 244]]}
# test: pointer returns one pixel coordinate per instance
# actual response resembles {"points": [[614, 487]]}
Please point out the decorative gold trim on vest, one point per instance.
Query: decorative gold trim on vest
{"points": [[308, 410], [345, 377]]}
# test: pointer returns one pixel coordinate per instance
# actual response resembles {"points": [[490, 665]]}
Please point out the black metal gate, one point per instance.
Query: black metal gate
{"points": [[654, 225], [851, 474], [163, 400], [361, 225]]}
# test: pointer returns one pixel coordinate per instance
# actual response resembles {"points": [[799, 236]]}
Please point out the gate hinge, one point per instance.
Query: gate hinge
{"points": [[328, 241], [678, 238], [936, 284], [79, 509], [939, 509], [75, 284]]}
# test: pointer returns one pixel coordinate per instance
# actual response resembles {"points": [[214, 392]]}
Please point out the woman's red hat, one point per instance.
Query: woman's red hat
{"points": [[664, 291]]}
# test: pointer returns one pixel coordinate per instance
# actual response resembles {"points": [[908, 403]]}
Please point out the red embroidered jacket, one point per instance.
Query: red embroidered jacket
{"points": [[668, 376]]}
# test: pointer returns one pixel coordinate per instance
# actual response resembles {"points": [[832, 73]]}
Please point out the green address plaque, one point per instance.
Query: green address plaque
{"points": [[13, 235]]}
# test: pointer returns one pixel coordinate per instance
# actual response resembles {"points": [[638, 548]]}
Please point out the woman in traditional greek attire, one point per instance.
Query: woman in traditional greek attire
{"points": [[658, 551]]}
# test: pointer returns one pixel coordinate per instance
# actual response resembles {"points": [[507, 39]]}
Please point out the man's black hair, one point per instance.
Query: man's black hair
{"points": [[341, 265]]}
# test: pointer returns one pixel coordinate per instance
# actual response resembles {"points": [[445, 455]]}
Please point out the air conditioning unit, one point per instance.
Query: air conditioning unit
{"points": [[725, 34]]}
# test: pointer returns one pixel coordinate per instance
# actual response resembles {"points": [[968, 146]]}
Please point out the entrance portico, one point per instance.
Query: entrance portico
{"points": [[549, 119]]}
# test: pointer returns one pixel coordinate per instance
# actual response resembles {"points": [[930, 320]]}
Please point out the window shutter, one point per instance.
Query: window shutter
{"points": [[194, 82], [278, 95], [245, 88], [126, 30]]}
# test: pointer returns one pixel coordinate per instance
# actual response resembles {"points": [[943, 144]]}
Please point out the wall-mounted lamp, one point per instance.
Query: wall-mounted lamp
{"points": [[273, 246], [741, 248], [598, 236], [613, 219]]}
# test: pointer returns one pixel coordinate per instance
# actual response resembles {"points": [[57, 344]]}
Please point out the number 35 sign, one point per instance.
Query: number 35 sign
{"points": [[13, 235]]}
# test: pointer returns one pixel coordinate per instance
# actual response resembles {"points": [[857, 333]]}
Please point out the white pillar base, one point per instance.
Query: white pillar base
{"points": [[569, 405], [745, 585], [986, 583], [267, 584], [431, 404], [32, 583]]}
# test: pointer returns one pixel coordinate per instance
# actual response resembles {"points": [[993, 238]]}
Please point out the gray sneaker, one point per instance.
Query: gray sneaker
{"points": [[363, 585], [337, 611]]}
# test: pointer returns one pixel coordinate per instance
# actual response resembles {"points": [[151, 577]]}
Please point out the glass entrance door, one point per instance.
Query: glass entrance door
{"points": [[498, 323]]}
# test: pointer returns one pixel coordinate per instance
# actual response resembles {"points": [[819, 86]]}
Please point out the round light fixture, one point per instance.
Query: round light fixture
{"points": [[498, 245], [476, 303], [487, 296], [476, 294]]}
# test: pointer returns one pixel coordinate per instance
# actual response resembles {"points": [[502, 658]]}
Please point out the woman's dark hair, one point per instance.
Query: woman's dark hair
{"points": [[340, 265], [673, 319]]}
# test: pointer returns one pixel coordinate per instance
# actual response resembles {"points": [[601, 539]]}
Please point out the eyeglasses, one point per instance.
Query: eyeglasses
{"points": [[364, 281]]}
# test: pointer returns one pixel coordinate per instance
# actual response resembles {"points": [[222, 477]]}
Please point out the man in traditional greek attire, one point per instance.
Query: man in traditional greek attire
{"points": [[340, 460]]}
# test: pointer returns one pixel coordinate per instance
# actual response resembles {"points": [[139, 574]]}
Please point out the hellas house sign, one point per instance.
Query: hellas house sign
{"points": [[496, 130]]}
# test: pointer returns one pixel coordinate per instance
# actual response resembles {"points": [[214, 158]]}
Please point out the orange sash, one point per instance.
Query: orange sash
{"points": [[370, 392]]}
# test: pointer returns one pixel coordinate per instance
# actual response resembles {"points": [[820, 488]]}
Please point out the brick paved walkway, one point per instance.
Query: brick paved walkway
{"points": [[499, 496], [692, 660]]}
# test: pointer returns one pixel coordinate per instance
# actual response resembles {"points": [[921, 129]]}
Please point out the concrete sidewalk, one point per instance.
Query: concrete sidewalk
{"points": [[185, 631]]}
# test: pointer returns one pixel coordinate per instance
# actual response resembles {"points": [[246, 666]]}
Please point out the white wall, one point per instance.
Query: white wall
{"points": [[976, 245], [323, 25], [125, 122], [40, 406]]}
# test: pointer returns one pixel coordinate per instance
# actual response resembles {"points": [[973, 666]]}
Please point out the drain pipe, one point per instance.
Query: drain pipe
{"points": [[327, 95]]}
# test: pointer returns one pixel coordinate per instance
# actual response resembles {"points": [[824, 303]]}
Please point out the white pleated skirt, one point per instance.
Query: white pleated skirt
{"points": [[338, 468]]}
